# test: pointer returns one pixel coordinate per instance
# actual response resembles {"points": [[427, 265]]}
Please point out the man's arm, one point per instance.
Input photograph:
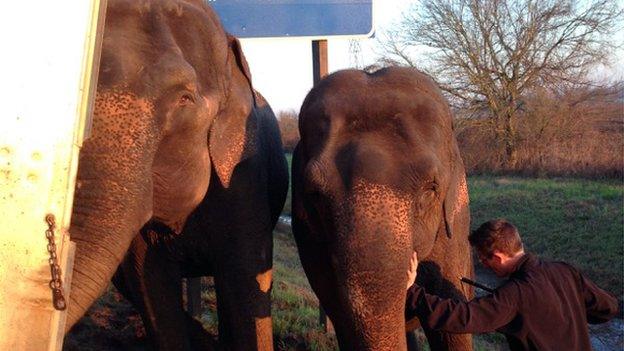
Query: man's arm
{"points": [[480, 315], [600, 306]]}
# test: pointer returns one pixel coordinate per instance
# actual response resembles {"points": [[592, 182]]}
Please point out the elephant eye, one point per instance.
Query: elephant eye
{"points": [[430, 187], [430, 190], [186, 99]]}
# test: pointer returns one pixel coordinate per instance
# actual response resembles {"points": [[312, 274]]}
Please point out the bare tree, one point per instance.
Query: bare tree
{"points": [[395, 51], [355, 53], [487, 54]]}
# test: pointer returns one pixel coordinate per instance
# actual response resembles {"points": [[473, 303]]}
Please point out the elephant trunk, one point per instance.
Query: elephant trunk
{"points": [[373, 248], [374, 296], [113, 197]]}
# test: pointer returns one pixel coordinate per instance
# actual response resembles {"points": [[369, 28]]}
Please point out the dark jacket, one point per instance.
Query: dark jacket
{"points": [[543, 306]]}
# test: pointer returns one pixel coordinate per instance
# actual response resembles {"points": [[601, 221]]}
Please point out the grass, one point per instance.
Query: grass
{"points": [[294, 307], [577, 221]]}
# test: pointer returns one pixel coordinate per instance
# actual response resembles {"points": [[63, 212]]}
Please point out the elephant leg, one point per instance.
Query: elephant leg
{"points": [[447, 341], [316, 263], [155, 284], [441, 276], [243, 285]]}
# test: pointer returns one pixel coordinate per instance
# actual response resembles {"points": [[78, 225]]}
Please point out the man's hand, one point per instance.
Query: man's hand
{"points": [[411, 272]]}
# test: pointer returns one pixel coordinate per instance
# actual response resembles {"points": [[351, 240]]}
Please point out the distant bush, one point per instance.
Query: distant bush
{"points": [[289, 128], [576, 132], [570, 132]]}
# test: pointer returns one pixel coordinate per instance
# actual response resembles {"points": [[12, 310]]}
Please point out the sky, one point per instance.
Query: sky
{"points": [[281, 68]]}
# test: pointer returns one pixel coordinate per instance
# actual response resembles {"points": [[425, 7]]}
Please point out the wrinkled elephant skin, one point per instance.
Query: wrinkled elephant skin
{"points": [[376, 175], [183, 175]]}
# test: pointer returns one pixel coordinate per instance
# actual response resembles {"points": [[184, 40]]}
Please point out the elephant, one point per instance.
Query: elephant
{"points": [[377, 175], [183, 175]]}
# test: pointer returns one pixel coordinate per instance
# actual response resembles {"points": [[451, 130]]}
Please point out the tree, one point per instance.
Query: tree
{"points": [[289, 128], [355, 53], [488, 54], [573, 131]]}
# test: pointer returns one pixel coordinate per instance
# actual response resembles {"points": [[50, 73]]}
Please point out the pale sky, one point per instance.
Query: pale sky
{"points": [[281, 68]]}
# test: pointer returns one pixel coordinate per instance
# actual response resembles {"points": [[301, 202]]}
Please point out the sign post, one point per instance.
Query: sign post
{"points": [[49, 56], [319, 70], [319, 59]]}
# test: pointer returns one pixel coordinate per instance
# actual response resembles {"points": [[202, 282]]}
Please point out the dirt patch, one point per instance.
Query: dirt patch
{"points": [[110, 324]]}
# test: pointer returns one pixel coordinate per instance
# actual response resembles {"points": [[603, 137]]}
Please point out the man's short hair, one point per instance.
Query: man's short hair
{"points": [[496, 235]]}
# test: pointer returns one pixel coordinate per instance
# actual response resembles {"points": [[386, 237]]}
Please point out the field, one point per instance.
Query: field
{"points": [[579, 221], [576, 220]]}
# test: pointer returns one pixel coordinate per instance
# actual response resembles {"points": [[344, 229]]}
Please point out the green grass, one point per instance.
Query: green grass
{"points": [[578, 221], [573, 220], [294, 308]]}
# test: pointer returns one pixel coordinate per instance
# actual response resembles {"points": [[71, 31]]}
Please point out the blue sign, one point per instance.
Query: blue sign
{"points": [[294, 18]]}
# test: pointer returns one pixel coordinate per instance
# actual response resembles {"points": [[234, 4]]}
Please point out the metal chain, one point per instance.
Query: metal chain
{"points": [[58, 300]]}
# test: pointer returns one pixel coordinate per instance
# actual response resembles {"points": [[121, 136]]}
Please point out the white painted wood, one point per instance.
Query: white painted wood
{"points": [[48, 56]]}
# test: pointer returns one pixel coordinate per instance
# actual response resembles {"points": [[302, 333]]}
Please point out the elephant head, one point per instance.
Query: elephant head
{"points": [[376, 175], [172, 102]]}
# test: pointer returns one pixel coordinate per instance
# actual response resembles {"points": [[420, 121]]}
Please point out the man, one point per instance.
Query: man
{"points": [[542, 306]]}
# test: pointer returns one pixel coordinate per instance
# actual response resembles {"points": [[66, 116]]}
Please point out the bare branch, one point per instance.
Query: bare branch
{"points": [[487, 55]]}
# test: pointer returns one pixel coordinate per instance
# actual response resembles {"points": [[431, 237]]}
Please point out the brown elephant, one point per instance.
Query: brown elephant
{"points": [[376, 175], [183, 175]]}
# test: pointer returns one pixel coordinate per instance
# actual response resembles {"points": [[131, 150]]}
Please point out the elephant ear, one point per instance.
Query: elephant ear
{"points": [[455, 203], [234, 132], [237, 57]]}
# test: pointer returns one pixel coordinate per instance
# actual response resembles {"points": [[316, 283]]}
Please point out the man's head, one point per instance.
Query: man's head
{"points": [[498, 245]]}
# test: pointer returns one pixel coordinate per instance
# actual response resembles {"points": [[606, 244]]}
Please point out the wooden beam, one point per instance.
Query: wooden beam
{"points": [[319, 70], [319, 59]]}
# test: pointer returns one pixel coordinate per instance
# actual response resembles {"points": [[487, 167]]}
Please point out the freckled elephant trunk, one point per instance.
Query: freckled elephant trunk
{"points": [[374, 320], [112, 202], [375, 248]]}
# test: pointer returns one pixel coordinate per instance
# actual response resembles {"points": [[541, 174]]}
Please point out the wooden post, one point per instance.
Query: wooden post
{"points": [[319, 70], [319, 59], [48, 90]]}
